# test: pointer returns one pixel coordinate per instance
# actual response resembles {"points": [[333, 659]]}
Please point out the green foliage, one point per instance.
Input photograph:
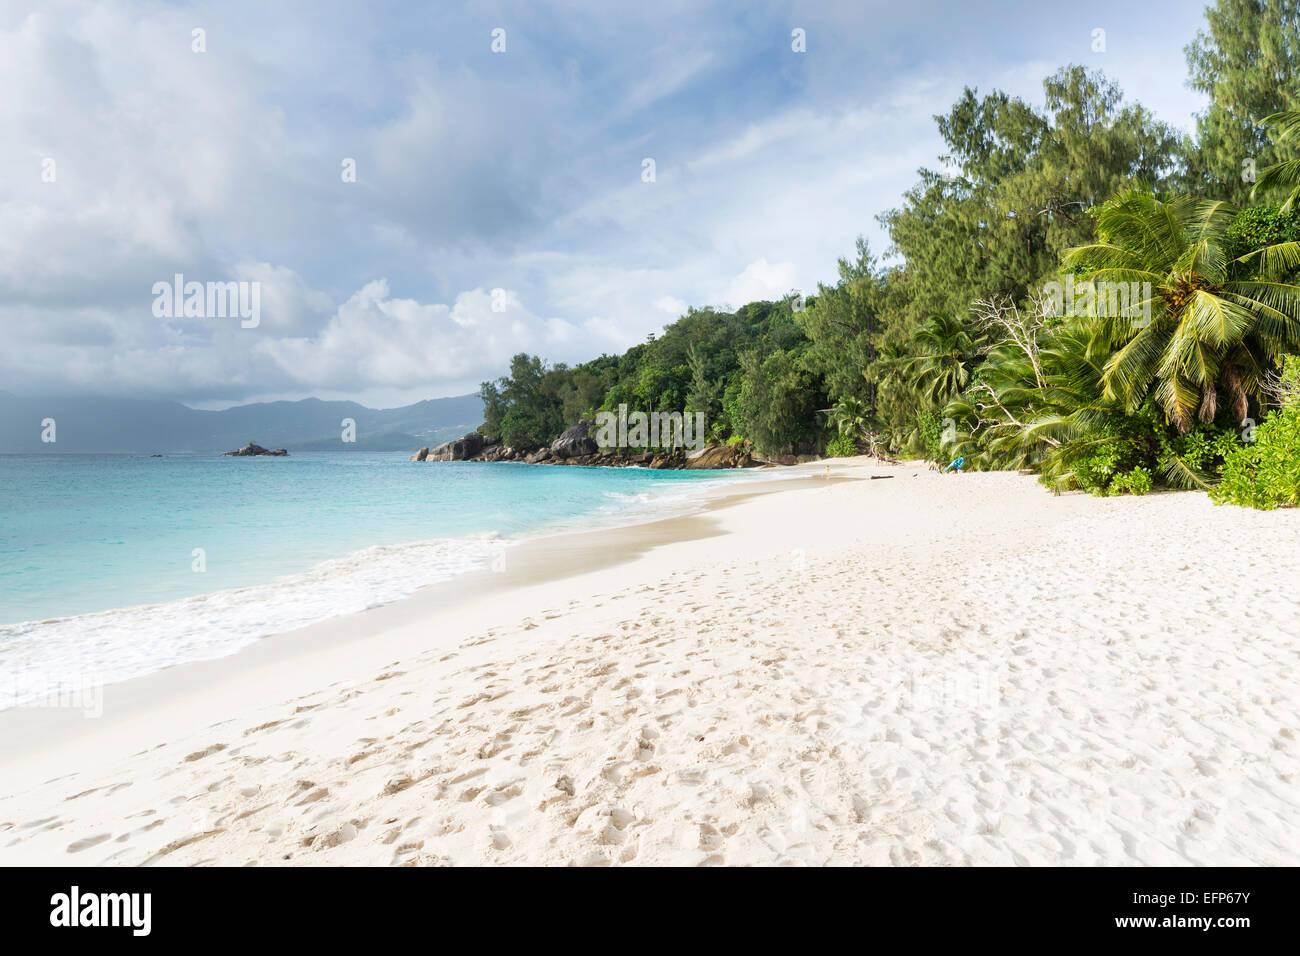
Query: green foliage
{"points": [[1094, 465], [695, 365], [1109, 466], [1134, 482], [704, 393], [842, 446], [494, 409], [582, 391], [778, 401], [1094, 472], [524, 409], [1265, 473], [1247, 61], [526, 428], [842, 327], [943, 353], [849, 417], [930, 433], [1258, 227], [1194, 459], [1284, 175], [1013, 197], [1213, 324]]}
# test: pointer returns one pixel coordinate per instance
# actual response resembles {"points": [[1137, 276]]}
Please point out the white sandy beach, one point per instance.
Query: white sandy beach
{"points": [[935, 670]]}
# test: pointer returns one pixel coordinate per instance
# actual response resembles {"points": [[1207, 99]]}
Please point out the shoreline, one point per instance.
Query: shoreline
{"points": [[933, 670], [208, 623], [535, 559]]}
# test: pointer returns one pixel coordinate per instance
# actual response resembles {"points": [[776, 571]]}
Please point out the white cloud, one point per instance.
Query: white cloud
{"points": [[289, 306], [761, 280], [476, 172], [675, 68], [376, 340]]}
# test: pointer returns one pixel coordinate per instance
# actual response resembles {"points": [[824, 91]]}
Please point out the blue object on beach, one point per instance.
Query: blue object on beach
{"points": [[956, 463]]}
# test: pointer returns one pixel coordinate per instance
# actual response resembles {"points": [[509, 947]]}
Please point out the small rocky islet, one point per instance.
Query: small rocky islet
{"points": [[253, 448]]}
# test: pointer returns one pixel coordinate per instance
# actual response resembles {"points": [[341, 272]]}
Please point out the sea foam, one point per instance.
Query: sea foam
{"points": [[42, 660]]}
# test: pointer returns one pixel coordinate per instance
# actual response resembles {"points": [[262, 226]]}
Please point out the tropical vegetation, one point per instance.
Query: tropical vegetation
{"points": [[1158, 367]]}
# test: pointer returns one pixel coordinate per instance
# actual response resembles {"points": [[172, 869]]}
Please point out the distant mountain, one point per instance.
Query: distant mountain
{"points": [[124, 425]]}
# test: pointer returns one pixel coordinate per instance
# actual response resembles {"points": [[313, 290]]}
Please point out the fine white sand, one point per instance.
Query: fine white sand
{"points": [[920, 670]]}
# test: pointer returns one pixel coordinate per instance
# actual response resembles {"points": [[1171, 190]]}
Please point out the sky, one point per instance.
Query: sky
{"points": [[502, 200]]}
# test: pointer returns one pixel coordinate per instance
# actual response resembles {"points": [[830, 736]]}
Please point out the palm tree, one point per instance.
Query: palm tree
{"points": [[892, 389], [1203, 323], [1035, 416], [1284, 175], [850, 417], [887, 371], [942, 354]]}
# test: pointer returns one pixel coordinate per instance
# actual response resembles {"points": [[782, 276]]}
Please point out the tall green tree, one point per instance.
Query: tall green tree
{"points": [[842, 324], [1247, 61], [705, 391], [1284, 175], [1017, 187], [778, 401], [523, 408]]}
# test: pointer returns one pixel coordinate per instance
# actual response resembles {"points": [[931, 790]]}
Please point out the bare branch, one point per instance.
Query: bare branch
{"points": [[1003, 320]]}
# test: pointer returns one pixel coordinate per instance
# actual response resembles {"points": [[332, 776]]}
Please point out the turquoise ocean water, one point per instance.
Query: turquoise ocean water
{"points": [[114, 566]]}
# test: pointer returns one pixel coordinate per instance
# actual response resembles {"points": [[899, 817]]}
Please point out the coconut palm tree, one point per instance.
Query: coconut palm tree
{"points": [[1202, 323], [943, 351], [850, 418], [1034, 416], [1286, 174]]}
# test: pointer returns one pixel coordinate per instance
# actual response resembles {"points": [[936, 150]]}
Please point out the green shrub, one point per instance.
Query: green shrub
{"points": [[1266, 472], [1094, 473], [930, 428], [841, 446], [1135, 482], [1259, 226], [1111, 467], [1194, 460]]}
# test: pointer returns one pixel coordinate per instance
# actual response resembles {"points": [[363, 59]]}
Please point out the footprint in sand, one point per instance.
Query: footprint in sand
{"points": [[88, 842], [207, 752]]}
